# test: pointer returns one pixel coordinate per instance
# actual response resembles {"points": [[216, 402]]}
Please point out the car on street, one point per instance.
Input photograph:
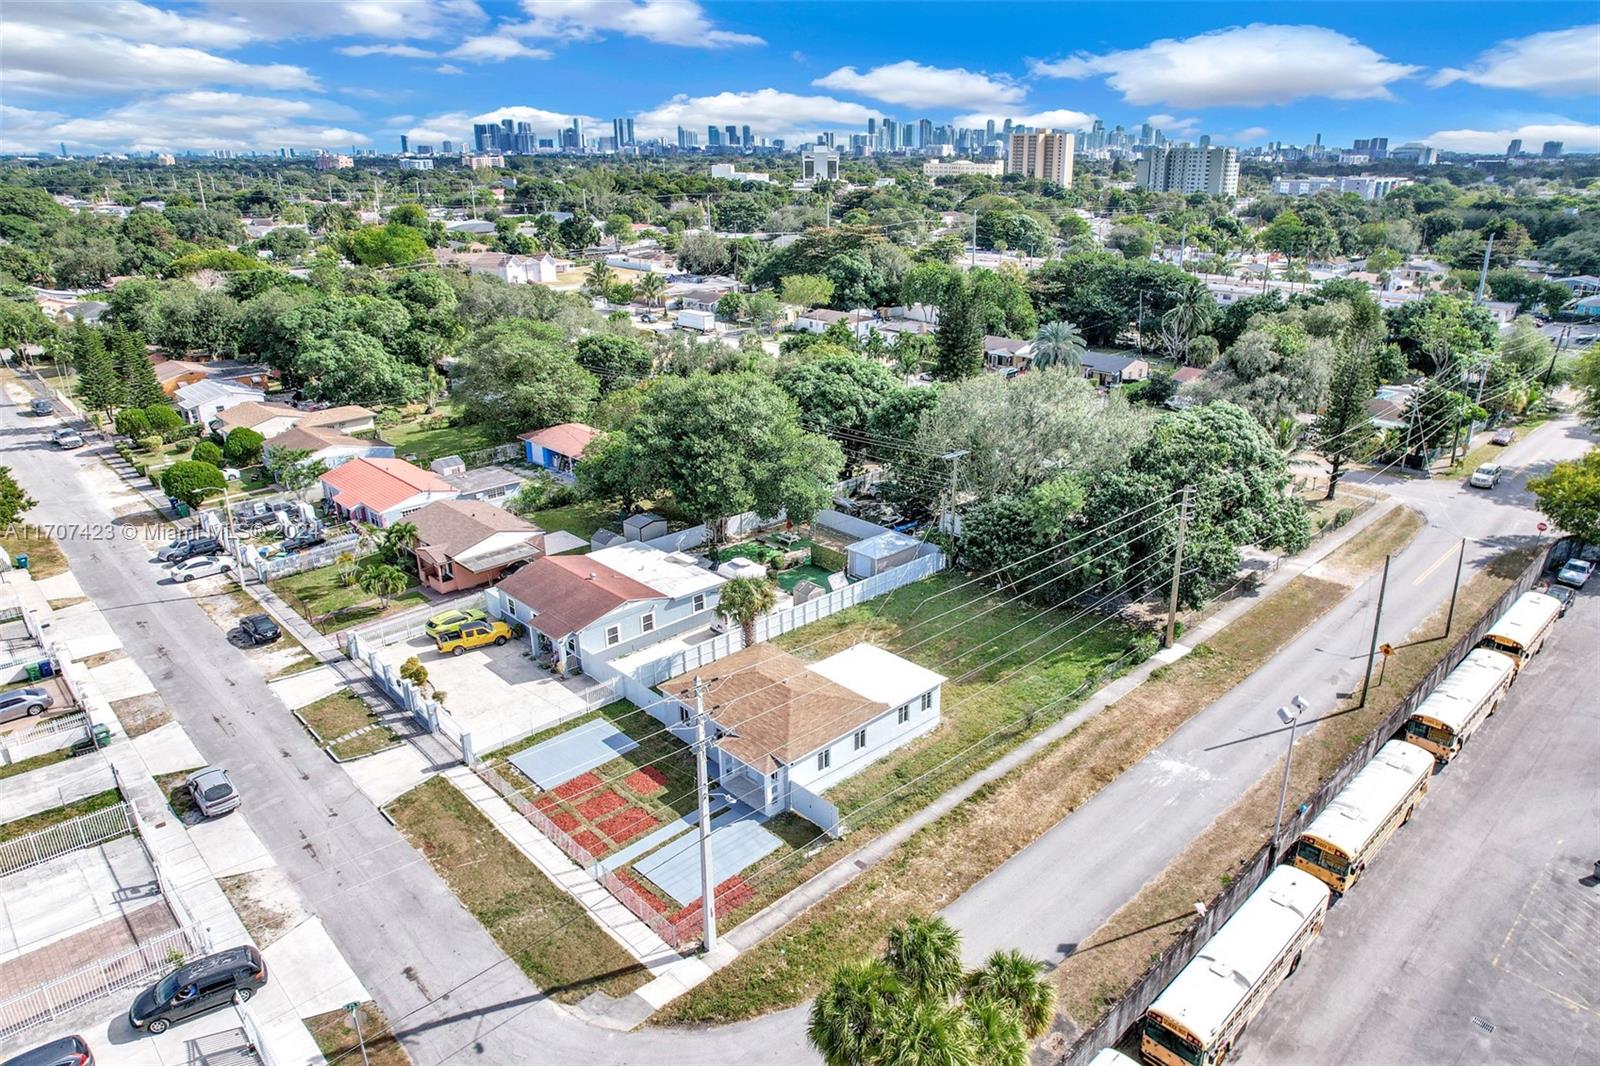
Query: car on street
{"points": [[42, 407], [475, 635], [448, 623], [68, 1051], [200, 987], [66, 438], [1562, 595], [24, 703], [1575, 573], [260, 628], [301, 541], [1504, 435], [212, 792], [200, 566], [188, 548], [1486, 476]]}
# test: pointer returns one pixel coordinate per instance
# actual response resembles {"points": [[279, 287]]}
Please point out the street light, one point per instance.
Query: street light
{"points": [[1290, 718]]}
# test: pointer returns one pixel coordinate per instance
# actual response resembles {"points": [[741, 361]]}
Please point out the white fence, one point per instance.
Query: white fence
{"points": [[49, 735], [814, 809], [682, 540], [84, 831], [301, 561], [130, 969]]}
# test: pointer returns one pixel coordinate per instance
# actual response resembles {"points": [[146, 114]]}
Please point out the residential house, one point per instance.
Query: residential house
{"points": [[1186, 374], [201, 402], [1105, 368], [270, 419], [818, 319], [1581, 284], [558, 448], [466, 544], [787, 730], [1007, 354], [328, 445], [609, 602], [697, 299], [647, 260], [382, 492], [512, 269], [173, 374], [484, 483]]}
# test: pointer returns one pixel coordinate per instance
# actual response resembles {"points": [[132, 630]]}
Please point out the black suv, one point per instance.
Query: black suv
{"points": [[260, 628], [188, 548], [198, 988], [300, 541]]}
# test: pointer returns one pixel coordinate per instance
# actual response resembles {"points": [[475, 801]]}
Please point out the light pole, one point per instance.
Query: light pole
{"points": [[1290, 718], [708, 902]]}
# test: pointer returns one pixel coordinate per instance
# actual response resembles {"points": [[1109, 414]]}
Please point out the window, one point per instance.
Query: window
{"points": [[683, 715], [904, 714], [824, 758], [613, 635], [859, 741], [647, 624], [927, 701], [447, 571], [700, 601]]}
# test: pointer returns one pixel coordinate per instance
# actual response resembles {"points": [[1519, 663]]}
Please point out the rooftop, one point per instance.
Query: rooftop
{"points": [[670, 574], [568, 438], [379, 484], [568, 593], [878, 674], [455, 527]]}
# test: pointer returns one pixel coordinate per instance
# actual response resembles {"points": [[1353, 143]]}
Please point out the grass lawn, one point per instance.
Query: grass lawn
{"points": [[49, 758], [368, 743], [788, 579], [335, 1034], [580, 519], [322, 600], [56, 815], [1088, 981], [409, 438], [178, 798], [45, 558], [344, 712], [548, 933], [941, 862]]}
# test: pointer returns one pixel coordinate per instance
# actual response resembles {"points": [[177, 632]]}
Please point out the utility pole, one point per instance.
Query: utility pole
{"points": [[708, 902], [973, 260], [1292, 719], [1177, 565], [202, 187], [1483, 272], [1377, 617], [954, 459], [1449, 619]]}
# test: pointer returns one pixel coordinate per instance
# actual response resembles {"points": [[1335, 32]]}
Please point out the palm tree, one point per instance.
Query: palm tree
{"points": [[600, 278], [850, 1014], [926, 953], [383, 581], [1012, 979], [928, 1033], [399, 539], [996, 1033], [743, 600], [1058, 344], [1189, 317], [651, 287]]}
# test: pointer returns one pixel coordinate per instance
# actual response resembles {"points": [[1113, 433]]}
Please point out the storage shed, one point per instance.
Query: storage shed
{"points": [[883, 552], [644, 526]]}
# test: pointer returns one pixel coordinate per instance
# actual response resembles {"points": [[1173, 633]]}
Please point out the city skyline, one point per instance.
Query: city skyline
{"points": [[245, 76]]}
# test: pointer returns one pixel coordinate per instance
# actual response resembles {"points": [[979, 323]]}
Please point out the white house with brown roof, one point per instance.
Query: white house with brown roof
{"points": [[466, 544], [328, 445], [382, 491], [270, 419], [788, 730]]}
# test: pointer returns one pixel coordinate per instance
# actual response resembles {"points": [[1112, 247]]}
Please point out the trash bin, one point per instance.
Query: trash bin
{"points": [[102, 736], [34, 673], [22, 561]]}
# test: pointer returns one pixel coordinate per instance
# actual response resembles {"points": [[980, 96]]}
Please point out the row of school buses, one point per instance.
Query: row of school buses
{"points": [[1200, 1015]]}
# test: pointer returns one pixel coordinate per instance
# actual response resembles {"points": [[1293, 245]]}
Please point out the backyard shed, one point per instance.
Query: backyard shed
{"points": [[644, 526], [883, 552]]}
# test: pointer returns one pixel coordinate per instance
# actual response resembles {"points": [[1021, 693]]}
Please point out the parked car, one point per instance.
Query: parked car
{"points": [[42, 407], [1486, 476], [475, 635], [188, 548], [212, 792], [66, 438], [24, 703], [1562, 595], [1504, 435], [199, 987], [200, 566], [231, 473], [1575, 573], [301, 541], [260, 628], [448, 623], [68, 1051]]}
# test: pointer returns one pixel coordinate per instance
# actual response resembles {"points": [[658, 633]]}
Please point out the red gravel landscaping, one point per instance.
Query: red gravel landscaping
{"points": [[590, 841], [597, 807], [565, 821], [646, 782], [627, 825], [578, 786]]}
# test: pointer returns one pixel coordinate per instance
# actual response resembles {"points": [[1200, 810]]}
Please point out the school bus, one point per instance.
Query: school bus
{"points": [[1198, 1017], [1520, 633], [1110, 1057], [1442, 723], [1339, 843]]}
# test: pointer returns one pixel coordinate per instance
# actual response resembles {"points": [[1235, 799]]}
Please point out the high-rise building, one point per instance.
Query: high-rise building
{"points": [[1205, 140], [405, 145], [1044, 154], [447, 147], [988, 132], [577, 134], [1146, 133], [1514, 149], [1380, 148], [744, 135], [732, 138], [1184, 168], [619, 133], [819, 163], [1551, 150], [713, 137], [925, 132]]}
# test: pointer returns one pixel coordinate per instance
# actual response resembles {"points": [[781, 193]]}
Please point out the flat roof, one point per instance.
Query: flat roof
{"points": [[878, 674], [1362, 806], [884, 545], [671, 574], [1457, 698]]}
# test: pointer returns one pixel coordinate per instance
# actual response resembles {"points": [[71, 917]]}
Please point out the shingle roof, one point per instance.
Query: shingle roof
{"points": [[569, 438], [780, 708], [1184, 375], [568, 593], [315, 438], [379, 484], [251, 415], [453, 526], [168, 369], [1107, 364]]}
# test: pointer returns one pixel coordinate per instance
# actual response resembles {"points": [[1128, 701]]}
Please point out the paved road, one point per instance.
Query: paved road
{"points": [[1100, 856], [1475, 937]]}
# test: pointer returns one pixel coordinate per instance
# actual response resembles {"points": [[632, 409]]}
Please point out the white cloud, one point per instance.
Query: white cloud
{"points": [[1173, 126], [1244, 66], [1560, 62], [448, 68], [1250, 133], [178, 121], [384, 19], [495, 47], [130, 19], [768, 113], [46, 61], [913, 85], [1057, 119], [679, 22], [404, 51], [1575, 136]]}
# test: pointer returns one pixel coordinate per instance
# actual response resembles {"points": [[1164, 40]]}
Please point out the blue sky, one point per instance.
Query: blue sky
{"points": [[257, 74]]}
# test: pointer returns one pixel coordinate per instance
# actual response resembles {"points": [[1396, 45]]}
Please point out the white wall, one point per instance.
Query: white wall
{"points": [[884, 734]]}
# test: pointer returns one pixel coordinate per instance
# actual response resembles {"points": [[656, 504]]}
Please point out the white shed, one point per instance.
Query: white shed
{"points": [[883, 552], [739, 566]]}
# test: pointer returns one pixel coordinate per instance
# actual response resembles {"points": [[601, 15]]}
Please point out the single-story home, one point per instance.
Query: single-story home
{"points": [[382, 491], [1103, 368], [609, 602], [696, 299], [270, 419], [513, 269], [788, 730], [201, 402], [1007, 353], [883, 552], [329, 445], [649, 261], [466, 544], [558, 448], [818, 319], [173, 374], [484, 483], [1186, 374]]}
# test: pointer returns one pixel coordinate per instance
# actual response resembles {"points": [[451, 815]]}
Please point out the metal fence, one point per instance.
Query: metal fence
{"points": [[1108, 1030], [84, 831], [52, 999]]}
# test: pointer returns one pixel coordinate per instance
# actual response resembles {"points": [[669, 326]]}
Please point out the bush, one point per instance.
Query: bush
{"points": [[191, 481], [148, 444], [831, 559], [242, 448], [1343, 516], [1143, 647], [163, 420], [131, 422], [387, 417], [206, 452]]}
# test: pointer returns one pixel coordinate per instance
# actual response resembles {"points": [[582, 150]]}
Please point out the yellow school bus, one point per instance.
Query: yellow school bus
{"points": [[1339, 843], [1452, 712], [1520, 633]]}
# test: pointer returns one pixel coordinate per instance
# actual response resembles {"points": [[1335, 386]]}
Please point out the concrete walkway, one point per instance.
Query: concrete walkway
{"points": [[53, 786]]}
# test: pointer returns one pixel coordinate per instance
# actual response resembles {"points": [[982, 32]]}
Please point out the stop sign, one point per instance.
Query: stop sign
{"points": [[1543, 526]]}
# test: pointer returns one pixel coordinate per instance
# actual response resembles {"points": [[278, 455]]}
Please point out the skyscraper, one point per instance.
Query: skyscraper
{"points": [[925, 132], [1146, 133], [713, 137], [744, 135], [733, 135], [988, 131], [1551, 150], [405, 145], [577, 134], [1044, 154], [1181, 168], [1514, 149], [619, 133]]}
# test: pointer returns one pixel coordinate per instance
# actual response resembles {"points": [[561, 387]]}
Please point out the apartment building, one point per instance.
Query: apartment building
{"points": [[1185, 168], [1043, 154]]}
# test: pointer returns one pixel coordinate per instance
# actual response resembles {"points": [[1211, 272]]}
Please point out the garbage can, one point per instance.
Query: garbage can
{"points": [[102, 736], [22, 561], [34, 672]]}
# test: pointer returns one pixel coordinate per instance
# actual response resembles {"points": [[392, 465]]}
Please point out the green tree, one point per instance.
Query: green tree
{"points": [[99, 387], [351, 367], [390, 245], [806, 290], [398, 540], [1012, 979], [576, 234], [652, 287], [745, 599], [838, 393], [383, 581], [163, 419], [925, 953], [1570, 496], [518, 376], [294, 469], [853, 1011], [14, 501], [763, 309], [138, 374], [191, 481], [131, 422], [960, 333], [1344, 431], [1439, 328], [599, 279], [616, 362], [242, 447], [1058, 344], [1586, 379], [206, 451]]}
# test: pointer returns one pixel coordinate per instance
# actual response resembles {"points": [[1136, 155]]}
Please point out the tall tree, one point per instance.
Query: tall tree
{"points": [[1058, 344], [518, 376], [651, 288], [806, 290], [745, 599], [1344, 431], [98, 384], [1570, 495], [135, 369], [960, 333]]}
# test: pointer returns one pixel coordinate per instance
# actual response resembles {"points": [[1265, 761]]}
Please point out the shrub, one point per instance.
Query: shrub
{"points": [[190, 481], [1143, 647], [148, 444], [1343, 515], [131, 422], [387, 417], [163, 420], [206, 452], [243, 447], [831, 559]]}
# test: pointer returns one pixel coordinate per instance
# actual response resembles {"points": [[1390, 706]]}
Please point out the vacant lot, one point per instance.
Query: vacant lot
{"points": [[328, 603], [429, 438], [45, 558]]}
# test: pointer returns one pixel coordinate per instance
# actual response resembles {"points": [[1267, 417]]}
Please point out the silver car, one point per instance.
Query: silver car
{"points": [[212, 792], [200, 566], [24, 703]]}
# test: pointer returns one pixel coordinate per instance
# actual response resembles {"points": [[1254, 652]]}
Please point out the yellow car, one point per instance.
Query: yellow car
{"points": [[474, 634]]}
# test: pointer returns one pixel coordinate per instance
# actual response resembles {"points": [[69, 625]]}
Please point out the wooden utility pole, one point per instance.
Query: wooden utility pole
{"points": [[708, 888], [1450, 618], [1177, 566], [1377, 618]]}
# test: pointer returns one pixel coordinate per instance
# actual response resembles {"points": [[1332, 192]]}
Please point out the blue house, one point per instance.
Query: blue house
{"points": [[558, 448]]}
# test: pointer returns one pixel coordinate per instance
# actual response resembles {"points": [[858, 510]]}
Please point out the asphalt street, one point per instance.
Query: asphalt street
{"points": [[1475, 936]]}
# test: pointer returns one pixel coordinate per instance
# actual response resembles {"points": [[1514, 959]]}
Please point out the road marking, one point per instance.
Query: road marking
{"points": [[1420, 578]]}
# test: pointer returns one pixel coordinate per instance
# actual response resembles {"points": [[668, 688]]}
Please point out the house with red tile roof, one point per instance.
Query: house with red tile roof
{"points": [[558, 448], [382, 491]]}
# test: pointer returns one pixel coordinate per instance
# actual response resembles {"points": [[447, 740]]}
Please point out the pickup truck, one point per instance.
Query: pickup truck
{"points": [[475, 635]]}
